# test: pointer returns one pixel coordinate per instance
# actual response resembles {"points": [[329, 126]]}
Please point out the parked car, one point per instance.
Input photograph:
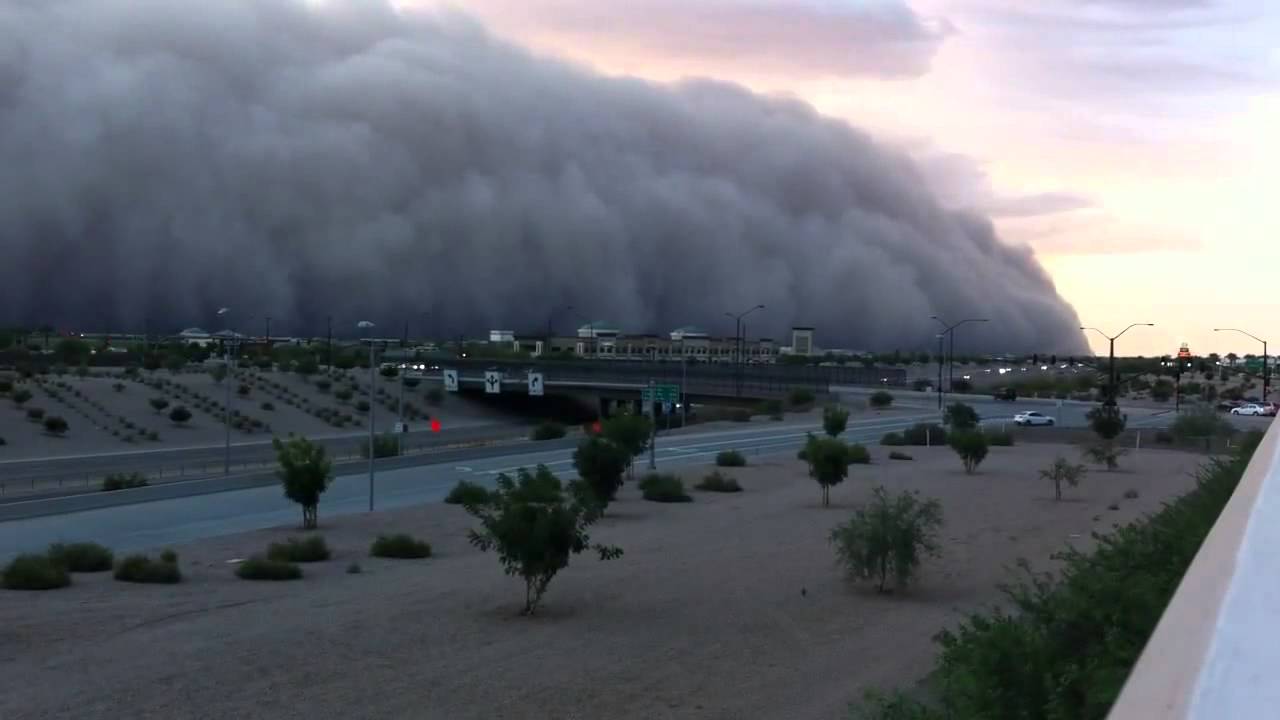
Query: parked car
{"points": [[1269, 409], [1031, 417], [1006, 393], [1249, 409]]}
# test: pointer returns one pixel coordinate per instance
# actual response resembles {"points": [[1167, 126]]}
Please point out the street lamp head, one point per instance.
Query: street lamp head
{"points": [[223, 311], [365, 325]]}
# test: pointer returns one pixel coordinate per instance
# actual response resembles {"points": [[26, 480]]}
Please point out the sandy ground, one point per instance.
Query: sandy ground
{"points": [[703, 617]]}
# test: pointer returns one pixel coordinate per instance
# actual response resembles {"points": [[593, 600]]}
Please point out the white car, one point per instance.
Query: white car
{"points": [[1249, 409], [1031, 417]]}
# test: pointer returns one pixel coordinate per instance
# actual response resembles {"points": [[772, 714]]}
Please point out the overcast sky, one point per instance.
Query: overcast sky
{"points": [[1132, 143]]}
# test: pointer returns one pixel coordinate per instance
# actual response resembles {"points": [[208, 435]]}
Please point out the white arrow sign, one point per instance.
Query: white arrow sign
{"points": [[451, 380], [535, 384], [492, 382]]}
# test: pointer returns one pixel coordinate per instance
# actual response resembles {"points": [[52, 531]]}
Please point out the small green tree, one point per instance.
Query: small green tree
{"points": [[159, 404], [600, 463], [959, 416], [828, 463], [1063, 471], [305, 471], [1105, 452], [535, 528], [1107, 421], [834, 420], [971, 446], [629, 432], [888, 537], [881, 399]]}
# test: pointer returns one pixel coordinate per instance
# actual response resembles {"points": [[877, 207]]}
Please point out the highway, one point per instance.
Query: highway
{"points": [[133, 525]]}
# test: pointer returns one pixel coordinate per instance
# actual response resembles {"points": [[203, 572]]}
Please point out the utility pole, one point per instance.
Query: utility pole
{"points": [[1112, 390], [226, 380], [951, 356], [737, 341], [373, 405], [653, 429], [684, 379], [1266, 365], [404, 343], [940, 358], [329, 334]]}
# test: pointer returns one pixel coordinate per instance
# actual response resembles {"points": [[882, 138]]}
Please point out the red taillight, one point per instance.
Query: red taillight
{"points": [[435, 425]]}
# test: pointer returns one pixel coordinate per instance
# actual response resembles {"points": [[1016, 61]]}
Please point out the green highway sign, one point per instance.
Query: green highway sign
{"points": [[1253, 364], [660, 393]]}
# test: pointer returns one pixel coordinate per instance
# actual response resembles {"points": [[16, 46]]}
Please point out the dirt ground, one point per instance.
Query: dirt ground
{"points": [[727, 607]]}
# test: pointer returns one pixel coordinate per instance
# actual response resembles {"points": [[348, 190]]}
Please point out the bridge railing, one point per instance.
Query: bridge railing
{"points": [[1215, 654]]}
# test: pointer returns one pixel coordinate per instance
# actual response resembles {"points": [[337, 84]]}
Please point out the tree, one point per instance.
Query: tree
{"points": [[174, 363], [1107, 421], [535, 528], [629, 432], [343, 394], [971, 446], [828, 463], [888, 536], [218, 373], [159, 404], [179, 415], [1063, 471], [600, 463], [389, 371], [55, 425], [881, 399], [307, 366], [1162, 390], [959, 416], [305, 471], [71, 351], [1105, 452], [344, 361], [20, 396], [834, 420]]}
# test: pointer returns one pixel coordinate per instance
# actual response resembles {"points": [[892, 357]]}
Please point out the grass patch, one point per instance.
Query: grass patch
{"points": [[401, 546], [295, 550], [717, 482], [142, 569], [467, 493], [663, 487], [261, 568], [84, 557], [730, 458], [897, 455], [34, 572], [549, 430]]}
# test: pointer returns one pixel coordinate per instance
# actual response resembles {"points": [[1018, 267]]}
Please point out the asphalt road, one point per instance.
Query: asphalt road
{"points": [[133, 525]]}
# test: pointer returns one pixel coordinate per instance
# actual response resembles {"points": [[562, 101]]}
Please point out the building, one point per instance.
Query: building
{"points": [[603, 340], [802, 341]]}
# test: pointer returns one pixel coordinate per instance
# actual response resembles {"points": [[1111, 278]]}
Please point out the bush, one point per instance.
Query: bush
{"points": [[179, 415], [55, 425], [243, 390], [834, 420], [959, 416], [343, 394], [362, 406], [772, 408], [118, 387], [305, 472], [83, 557], [828, 463], [261, 568], [34, 572], [310, 549], [895, 455], [892, 439], [35, 414], [20, 396], [888, 536], [1130, 494], [730, 458], [740, 415], [716, 482], [600, 463], [1105, 452], [548, 430], [401, 546], [999, 439], [169, 556], [1107, 421], [971, 446], [467, 493], [800, 397], [535, 529], [663, 487], [1062, 471], [142, 569], [925, 434], [6, 386], [354, 569], [1199, 423], [384, 446], [857, 455], [266, 407], [323, 385], [881, 399]]}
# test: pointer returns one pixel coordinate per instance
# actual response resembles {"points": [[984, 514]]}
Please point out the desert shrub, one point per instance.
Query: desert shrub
{"points": [[857, 454], [310, 549], [828, 463], [344, 394], [800, 397], [548, 430], [305, 472], [740, 415], [384, 446], [925, 434], [600, 463], [169, 556], [971, 446], [34, 572], [834, 420], [888, 537], [1197, 423], [142, 569], [118, 387], [1130, 494], [996, 438], [1106, 453], [158, 404], [467, 493], [6, 386], [959, 416], [1062, 471], [1107, 421], [20, 396], [717, 482], [261, 568], [535, 528], [3, 442], [83, 557], [267, 407], [663, 487], [880, 399], [354, 569], [243, 390], [362, 406], [323, 385], [400, 546], [730, 458], [55, 425], [772, 408], [892, 439], [895, 455], [35, 414], [179, 415]]}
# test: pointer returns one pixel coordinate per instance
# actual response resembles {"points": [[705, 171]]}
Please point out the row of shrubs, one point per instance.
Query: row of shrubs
{"points": [[922, 434]]}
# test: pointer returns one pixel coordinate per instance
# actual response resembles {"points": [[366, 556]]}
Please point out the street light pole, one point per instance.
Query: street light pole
{"points": [[951, 346], [226, 380], [373, 405], [940, 357], [1111, 355], [1266, 366], [738, 343]]}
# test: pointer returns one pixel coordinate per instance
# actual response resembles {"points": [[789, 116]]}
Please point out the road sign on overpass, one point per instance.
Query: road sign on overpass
{"points": [[660, 393]]}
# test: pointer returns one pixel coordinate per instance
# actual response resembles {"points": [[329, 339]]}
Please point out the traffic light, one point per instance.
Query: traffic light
{"points": [[1035, 358]]}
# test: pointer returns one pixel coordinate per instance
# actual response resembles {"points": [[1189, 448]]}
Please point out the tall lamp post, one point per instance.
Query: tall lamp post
{"points": [[1111, 354], [367, 327], [224, 313], [950, 330], [737, 342], [941, 357], [1266, 366]]}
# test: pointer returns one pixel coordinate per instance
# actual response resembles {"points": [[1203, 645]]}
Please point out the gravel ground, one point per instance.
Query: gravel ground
{"points": [[727, 607]]}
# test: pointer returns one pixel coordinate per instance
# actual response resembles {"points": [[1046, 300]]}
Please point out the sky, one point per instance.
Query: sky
{"points": [[1130, 143]]}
